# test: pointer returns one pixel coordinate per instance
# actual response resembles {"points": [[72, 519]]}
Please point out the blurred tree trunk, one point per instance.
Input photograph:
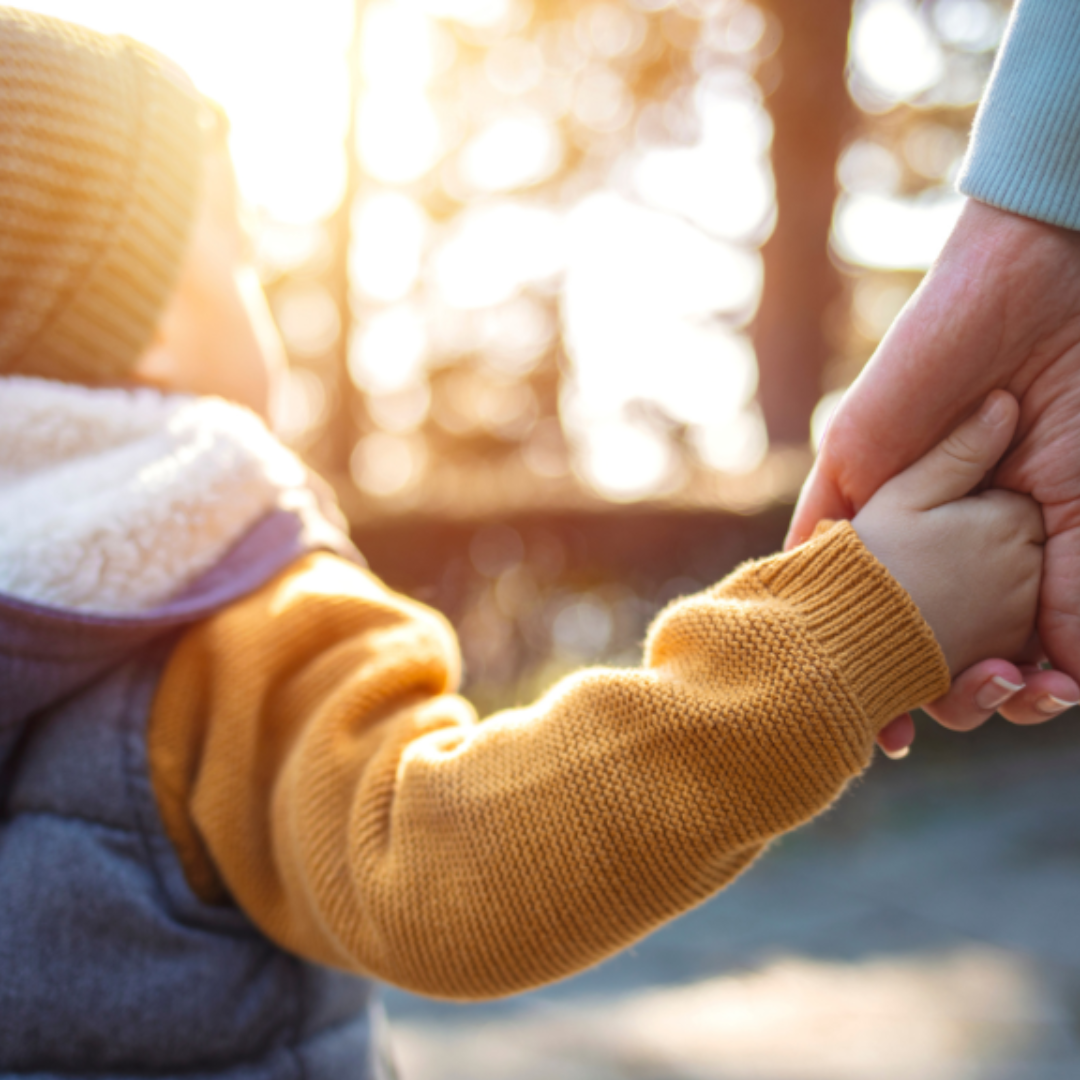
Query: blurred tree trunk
{"points": [[340, 437], [812, 116]]}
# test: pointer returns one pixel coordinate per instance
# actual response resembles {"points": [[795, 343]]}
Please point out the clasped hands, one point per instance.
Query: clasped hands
{"points": [[999, 311]]}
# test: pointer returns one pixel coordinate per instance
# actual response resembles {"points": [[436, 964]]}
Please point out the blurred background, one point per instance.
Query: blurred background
{"points": [[569, 291]]}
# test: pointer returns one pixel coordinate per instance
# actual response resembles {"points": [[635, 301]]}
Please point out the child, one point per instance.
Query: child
{"points": [[232, 763]]}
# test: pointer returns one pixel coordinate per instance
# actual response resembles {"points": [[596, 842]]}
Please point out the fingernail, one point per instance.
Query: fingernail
{"points": [[996, 692], [898, 754], [1050, 705], [993, 410]]}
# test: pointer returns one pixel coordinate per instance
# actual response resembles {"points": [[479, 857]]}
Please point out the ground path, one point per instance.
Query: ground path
{"points": [[926, 929]]}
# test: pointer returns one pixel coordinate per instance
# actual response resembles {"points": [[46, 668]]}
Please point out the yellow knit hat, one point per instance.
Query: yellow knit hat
{"points": [[100, 166]]}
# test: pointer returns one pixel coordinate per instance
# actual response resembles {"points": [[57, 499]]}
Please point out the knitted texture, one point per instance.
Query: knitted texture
{"points": [[100, 164], [311, 760], [1025, 147]]}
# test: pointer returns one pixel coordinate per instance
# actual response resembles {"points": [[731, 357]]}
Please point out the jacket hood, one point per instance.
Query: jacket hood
{"points": [[126, 515]]}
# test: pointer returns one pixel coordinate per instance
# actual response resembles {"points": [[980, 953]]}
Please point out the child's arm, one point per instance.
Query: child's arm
{"points": [[311, 759]]}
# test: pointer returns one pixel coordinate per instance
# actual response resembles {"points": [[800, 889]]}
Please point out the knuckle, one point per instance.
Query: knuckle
{"points": [[962, 448]]}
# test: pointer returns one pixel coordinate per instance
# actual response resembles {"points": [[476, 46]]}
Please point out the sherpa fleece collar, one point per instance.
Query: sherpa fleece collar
{"points": [[113, 500]]}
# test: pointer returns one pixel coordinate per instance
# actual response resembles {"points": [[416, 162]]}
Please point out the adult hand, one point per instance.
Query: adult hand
{"points": [[1000, 308]]}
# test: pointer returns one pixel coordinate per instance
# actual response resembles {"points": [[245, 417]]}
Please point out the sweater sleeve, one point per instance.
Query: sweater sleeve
{"points": [[312, 761], [1025, 148]]}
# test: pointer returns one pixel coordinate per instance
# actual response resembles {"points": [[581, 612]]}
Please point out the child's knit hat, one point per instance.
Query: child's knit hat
{"points": [[100, 166]]}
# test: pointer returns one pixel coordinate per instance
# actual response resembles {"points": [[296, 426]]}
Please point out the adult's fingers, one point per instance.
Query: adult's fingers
{"points": [[1023, 695], [819, 499], [976, 694], [960, 461], [1046, 695]]}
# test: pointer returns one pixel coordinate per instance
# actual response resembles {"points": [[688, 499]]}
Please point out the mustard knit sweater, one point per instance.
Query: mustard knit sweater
{"points": [[313, 763]]}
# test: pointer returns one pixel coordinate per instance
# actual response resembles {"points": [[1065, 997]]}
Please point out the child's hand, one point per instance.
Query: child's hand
{"points": [[972, 563]]}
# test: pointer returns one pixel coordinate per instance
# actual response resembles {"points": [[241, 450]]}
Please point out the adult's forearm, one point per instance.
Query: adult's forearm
{"points": [[1025, 149]]}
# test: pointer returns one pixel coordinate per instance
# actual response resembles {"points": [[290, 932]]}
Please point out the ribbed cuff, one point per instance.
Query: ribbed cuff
{"points": [[861, 617], [1025, 148]]}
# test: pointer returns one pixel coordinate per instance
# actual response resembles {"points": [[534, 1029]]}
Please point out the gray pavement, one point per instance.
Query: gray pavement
{"points": [[927, 928]]}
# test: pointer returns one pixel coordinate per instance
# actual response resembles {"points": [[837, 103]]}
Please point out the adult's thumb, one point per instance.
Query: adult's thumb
{"points": [[959, 462]]}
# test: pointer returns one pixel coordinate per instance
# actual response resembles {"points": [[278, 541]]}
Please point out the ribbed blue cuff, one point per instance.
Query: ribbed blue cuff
{"points": [[1025, 147]]}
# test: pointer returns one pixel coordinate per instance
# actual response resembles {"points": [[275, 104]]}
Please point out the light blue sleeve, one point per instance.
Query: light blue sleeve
{"points": [[1025, 147]]}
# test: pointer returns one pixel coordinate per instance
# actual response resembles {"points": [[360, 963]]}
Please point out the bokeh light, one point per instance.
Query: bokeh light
{"points": [[876, 231], [895, 49]]}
